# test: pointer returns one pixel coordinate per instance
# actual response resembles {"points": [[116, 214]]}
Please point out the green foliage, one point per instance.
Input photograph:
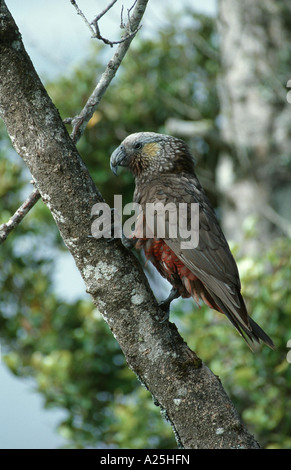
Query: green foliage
{"points": [[66, 347]]}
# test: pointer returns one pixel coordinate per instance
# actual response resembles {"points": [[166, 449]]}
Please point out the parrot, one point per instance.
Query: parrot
{"points": [[164, 172]]}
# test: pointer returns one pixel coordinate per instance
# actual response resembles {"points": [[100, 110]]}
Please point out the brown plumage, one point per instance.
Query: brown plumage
{"points": [[164, 172]]}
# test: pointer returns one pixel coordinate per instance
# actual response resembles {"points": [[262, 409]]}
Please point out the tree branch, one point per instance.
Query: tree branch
{"points": [[6, 228], [189, 393]]}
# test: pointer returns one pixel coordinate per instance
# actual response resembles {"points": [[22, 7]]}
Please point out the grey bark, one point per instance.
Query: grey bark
{"points": [[190, 394]]}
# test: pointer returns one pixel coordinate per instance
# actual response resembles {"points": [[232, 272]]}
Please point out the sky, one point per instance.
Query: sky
{"points": [[57, 39]]}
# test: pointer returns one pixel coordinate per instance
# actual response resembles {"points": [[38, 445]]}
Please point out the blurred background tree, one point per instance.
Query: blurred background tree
{"points": [[168, 83], [254, 52]]}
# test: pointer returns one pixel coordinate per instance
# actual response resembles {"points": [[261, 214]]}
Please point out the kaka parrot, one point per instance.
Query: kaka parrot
{"points": [[163, 168]]}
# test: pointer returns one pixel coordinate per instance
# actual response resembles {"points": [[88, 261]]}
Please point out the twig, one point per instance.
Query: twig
{"points": [[95, 30], [79, 12], [6, 228], [97, 18], [112, 43]]}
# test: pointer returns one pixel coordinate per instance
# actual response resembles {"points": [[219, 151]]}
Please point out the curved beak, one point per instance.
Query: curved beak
{"points": [[117, 159]]}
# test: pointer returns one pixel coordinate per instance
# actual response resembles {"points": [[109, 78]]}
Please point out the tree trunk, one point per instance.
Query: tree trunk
{"points": [[190, 394], [255, 57]]}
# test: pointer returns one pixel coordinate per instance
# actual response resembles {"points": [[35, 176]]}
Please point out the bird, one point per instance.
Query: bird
{"points": [[164, 171]]}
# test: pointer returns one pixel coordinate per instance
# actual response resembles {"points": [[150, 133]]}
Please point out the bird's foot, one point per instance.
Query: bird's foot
{"points": [[165, 304], [128, 243]]}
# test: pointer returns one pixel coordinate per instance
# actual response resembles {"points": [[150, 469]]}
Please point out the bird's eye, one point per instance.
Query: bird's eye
{"points": [[137, 146]]}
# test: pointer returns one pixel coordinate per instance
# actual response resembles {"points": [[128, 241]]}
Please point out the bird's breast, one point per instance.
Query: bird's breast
{"points": [[167, 263]]}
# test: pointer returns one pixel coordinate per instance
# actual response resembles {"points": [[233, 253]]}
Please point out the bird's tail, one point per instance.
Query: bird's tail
{"points": [[234, 309], [258, 334], [252, 333]]}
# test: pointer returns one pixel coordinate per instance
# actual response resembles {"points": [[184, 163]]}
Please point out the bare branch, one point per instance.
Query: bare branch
{"points": [[15, 220], [79, 12], [95, 30], [112, 43], [97, 18], [80, 121]]}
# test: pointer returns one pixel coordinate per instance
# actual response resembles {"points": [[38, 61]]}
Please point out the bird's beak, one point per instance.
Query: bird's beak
{"points": [[117, 159]]}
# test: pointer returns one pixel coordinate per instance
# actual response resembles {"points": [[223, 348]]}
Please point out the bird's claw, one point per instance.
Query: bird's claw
{"points": [[166, 309], [165, 304]]}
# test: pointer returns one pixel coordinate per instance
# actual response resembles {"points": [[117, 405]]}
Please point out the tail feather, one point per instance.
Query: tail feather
{"points": [[251, 332], [259, 334]]}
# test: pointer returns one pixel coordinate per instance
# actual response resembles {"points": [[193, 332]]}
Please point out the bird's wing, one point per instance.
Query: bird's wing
{"points": [[211, 261]]}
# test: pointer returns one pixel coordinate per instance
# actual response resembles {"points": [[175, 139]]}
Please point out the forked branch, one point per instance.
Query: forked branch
{"points": [[95, 29]]}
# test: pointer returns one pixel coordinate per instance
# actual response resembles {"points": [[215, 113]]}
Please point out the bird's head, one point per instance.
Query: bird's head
{"points": [[151, 153]]}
